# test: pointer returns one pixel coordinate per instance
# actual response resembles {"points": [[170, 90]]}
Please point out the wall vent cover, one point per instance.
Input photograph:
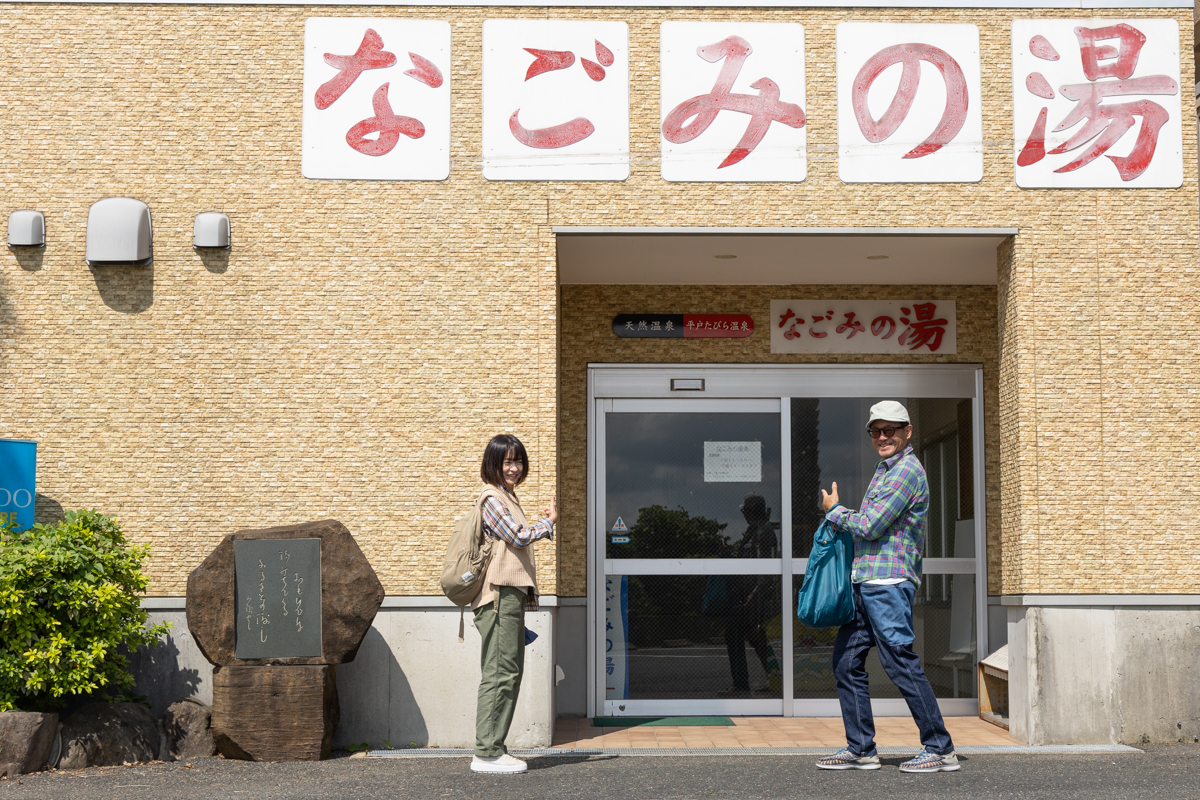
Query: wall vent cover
{"points": [[26, 229], [118, 232]]}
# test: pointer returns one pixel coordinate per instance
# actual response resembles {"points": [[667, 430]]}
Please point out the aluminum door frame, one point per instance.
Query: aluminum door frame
{"points": [[728, 388]]}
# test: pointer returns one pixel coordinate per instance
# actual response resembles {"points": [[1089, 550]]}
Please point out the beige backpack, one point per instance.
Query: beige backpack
{"points": [[467, 558]]}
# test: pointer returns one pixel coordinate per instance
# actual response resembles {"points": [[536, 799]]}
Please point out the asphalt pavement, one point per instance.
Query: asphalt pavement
{"points": [[1159, 771]]}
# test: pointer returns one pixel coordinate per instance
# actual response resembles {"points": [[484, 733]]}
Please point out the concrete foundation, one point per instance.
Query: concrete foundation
{"points": [[1104, 674], [412, 684]]}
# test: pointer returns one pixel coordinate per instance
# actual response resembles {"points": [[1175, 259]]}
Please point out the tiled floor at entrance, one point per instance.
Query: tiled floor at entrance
{"points": [[573, 732]]}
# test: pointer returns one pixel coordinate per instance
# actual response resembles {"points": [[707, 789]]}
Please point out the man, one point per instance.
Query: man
{"points": [[889, 535]]}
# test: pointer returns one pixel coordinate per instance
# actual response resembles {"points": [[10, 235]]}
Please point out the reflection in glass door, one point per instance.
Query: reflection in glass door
{"points": [[701, 520]]}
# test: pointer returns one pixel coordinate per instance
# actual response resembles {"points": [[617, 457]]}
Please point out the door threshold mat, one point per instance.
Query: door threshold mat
{"points": [[969, 750], [674, 722]]}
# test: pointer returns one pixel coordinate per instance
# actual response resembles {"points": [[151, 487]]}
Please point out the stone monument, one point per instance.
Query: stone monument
{"points": [[275, 610]]}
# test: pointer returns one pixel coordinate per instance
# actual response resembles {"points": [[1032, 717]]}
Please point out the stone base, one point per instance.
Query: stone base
{"points": [[273, 713], [26, 738]]}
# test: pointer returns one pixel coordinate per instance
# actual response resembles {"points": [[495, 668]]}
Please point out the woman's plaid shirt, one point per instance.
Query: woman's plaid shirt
{"points": [[889, 529]]}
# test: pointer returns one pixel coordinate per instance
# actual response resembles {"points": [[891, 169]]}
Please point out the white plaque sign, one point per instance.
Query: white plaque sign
{"points": [[1096, 103], [555, 100], [909, 103], [732, 101], [376, 99], [863, 326], [732, 462]]}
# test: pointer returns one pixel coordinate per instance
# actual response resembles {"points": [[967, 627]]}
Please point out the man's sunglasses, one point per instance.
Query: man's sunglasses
{"points": [[887, 432]]}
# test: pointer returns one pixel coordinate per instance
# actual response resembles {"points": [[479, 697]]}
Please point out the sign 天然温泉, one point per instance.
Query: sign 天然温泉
{"points": [[278, 598], [18, 478], [682, 326], [863, 326]]}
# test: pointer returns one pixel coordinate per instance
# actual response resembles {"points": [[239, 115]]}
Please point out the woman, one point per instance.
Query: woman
{"points": [[509, 589]]}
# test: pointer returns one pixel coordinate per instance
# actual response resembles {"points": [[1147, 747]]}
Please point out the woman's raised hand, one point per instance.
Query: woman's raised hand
{"points": [[551, 510]]}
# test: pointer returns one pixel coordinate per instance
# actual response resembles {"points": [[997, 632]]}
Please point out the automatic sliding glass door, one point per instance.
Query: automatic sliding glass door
{"points": [[701, 519]]}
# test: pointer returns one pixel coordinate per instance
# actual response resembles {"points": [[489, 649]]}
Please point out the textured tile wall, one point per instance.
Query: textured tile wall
{"points": [[352, 353]]}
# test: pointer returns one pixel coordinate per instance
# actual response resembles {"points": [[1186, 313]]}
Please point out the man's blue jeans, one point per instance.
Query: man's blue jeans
{"points": [[883, 619]]}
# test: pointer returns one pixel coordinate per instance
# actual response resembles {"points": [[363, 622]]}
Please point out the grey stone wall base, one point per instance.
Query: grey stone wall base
{"points": [[1104, 674]]}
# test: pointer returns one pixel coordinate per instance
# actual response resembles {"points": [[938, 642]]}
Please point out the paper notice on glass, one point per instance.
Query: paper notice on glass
{"points": [[733, 462]]}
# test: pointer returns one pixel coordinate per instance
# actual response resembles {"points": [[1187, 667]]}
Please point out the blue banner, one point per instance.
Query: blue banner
{"points": [[18, 467]]}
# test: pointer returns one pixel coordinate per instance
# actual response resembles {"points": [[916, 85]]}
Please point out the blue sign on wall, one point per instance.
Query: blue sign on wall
{"points": [[18, 466]]}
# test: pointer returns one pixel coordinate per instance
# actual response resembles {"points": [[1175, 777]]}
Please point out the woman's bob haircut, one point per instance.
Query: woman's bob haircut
{"points": [[492, 469]]}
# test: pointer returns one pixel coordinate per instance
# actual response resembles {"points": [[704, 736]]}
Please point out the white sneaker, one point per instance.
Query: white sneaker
{"points": [[504, 764]]}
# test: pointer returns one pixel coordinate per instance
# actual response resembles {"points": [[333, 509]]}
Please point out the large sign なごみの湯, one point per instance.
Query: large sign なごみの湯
{"points": [[1096, 104], [909, 103], [376, 99], [555, 100]]}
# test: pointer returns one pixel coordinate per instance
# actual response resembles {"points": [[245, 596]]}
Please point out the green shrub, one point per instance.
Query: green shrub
{"points": [[68, 602]]}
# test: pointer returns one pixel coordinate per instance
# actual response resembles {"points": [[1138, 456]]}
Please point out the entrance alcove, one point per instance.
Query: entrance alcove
{"points": [[627, 438]]}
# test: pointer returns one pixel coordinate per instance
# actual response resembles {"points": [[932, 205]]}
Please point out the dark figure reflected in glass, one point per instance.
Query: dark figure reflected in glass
{"points": [[752, 600]]}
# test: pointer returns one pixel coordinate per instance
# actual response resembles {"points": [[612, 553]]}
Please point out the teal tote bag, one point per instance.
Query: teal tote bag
{"points": [[827, 598]]}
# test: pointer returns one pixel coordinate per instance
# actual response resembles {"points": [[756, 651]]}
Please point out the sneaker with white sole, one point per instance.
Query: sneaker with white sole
{"points": [[844, 759], [929, 761], [499, 765]]}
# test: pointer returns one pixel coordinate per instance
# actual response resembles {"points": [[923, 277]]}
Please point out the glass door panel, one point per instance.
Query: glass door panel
{"points": [[830, 443], [684, 493], [675, 484]]}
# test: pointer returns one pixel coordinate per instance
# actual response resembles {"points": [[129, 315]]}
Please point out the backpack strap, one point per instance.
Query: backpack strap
{"points": [[462, 610]]}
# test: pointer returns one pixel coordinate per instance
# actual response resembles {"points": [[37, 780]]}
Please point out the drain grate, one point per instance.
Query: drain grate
{"points": [[996, 749]]}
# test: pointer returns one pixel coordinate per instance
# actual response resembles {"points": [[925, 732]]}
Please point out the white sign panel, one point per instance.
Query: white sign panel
{"points": [[555, 100], [909, 103], [1096, 104], [732, 462], [863, 326], [732, 101], [376, 99]]}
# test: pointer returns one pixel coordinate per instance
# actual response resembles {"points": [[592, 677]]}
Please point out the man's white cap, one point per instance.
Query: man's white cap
{"points": [[889, 411]]}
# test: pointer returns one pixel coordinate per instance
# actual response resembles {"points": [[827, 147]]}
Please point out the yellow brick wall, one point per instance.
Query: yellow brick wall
{"points": [[362, 340], [587, 337]]}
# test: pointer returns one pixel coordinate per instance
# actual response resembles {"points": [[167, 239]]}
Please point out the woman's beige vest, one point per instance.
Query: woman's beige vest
{"points": [[510, 566]]}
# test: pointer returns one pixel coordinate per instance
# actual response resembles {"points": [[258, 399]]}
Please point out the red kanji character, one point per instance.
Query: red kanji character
{"points": [[387, 124], [370, 55], [567, 133], [1106, 124], [879, 323], [692, 117], [911, 55], [924, 330], [852, 325]]}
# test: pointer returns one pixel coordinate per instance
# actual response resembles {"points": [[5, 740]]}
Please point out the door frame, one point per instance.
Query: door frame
{"points": [[764, 388]]}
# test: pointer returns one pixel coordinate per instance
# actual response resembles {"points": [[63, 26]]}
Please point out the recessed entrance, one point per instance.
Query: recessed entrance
{"points": [[700, 520]]}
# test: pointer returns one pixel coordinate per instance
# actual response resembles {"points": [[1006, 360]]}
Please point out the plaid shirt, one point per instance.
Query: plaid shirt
{"points": [[889, 529], [499, 523]]}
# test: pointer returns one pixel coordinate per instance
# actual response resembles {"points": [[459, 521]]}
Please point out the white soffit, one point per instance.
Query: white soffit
{"points": [[779, 259]]}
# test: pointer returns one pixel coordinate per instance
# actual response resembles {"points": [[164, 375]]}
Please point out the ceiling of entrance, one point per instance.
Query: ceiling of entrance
{"points": [[591, 256]]}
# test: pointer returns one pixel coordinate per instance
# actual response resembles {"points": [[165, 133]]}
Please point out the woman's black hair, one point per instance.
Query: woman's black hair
{"points": [[492, 469]]}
